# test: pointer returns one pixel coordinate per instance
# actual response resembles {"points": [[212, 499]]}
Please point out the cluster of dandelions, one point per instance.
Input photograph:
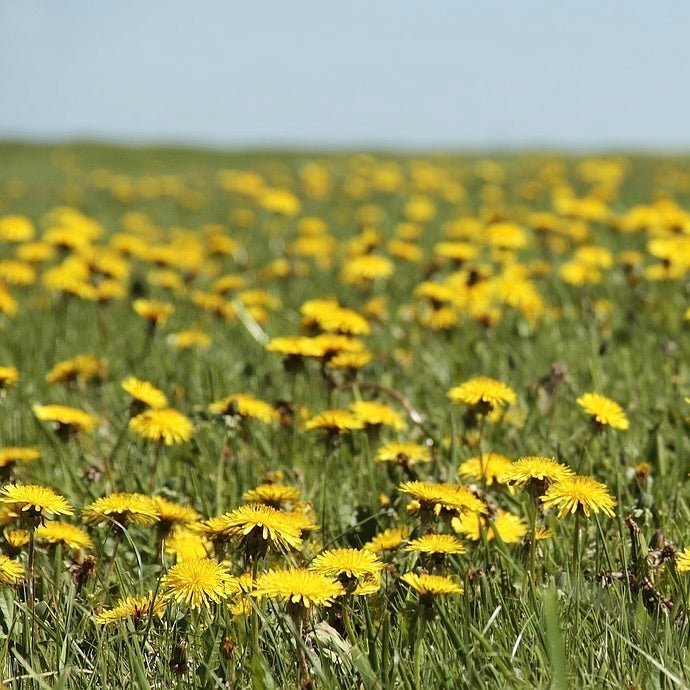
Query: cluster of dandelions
{"points": [[388, 282]]}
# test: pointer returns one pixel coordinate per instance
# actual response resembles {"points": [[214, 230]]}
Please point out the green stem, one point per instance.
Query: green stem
{"points": [[576, 549], [32, 575], [109, 567], [421, 627], [533, 542], [255, 613]]}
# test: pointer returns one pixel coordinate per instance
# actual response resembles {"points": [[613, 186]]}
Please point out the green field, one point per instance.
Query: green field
{"points": [[397, 278]]}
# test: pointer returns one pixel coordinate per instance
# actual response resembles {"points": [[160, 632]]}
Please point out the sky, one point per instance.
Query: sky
{"points": [[352, 73]]}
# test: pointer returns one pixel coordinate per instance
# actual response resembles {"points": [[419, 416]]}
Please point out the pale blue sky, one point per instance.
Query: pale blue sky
{"points": [[434, 73]]}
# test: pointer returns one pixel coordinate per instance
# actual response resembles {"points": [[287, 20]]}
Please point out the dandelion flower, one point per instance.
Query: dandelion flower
{"points": [[348, 566], [155, 313], [334, 421], [488, 468], [82, 368], [145, 393], [438, 497], [388, 540], [66, 419], [274, 495], [136, 609], [431, 586], [11, 572], [375, 414], [9, 376], [186, 544], [683, 561], [34, 501], [350, 361], [409, 454], [195, 583], [605, 411], [258, 526], [483, 393], [170, 514], [509, 528], [73, 537], [579, 494], [536, 473], [436, 544], [166, 426], [123, 508], [16, 538], [299, 587], [246, 406], [239, 591], [11, 455], [187, 340]]}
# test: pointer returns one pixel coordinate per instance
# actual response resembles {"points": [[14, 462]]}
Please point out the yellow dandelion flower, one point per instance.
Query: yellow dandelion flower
{"points": [[186, 544], [274, 495], [195, 583], [9, 376], [388, 540], [11, 572], [488, 468], [683, 561], [299, 587], [8, 305], [174, 513], [229, 283], [295, 346], [187, 340], [536, 473], [10, 455], [347, 565], [579, 494], [66, 419], [334, 421], [13, 272], [16, 228], [329, 316], [605, 411], [32, 500], [255, 523], [82, 368], [362, 270], [436, 544], [239, 591], [483, 393], [166, 426], [377, 414], [350, 360], [439, 497], [136, 609], [430, 586], [16, 538], [144, 392], [155, 313], [123, 508], [246, 406], [54, 532], [404, 453], [508, 527]]}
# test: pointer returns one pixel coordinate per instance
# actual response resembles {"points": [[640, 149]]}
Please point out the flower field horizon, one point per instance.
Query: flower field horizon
{"points": [[343, 420]]}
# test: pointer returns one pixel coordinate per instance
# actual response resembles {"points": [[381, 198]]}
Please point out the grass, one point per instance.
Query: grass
{"points": [[607, 628]]}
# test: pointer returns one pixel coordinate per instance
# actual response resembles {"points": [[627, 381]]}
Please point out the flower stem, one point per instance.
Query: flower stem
{"points": [[419, 642], [32, 577], [576, 549], [533, 542]]}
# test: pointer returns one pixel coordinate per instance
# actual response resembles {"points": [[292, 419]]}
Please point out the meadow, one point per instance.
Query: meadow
{"points": [[312, 420]]}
